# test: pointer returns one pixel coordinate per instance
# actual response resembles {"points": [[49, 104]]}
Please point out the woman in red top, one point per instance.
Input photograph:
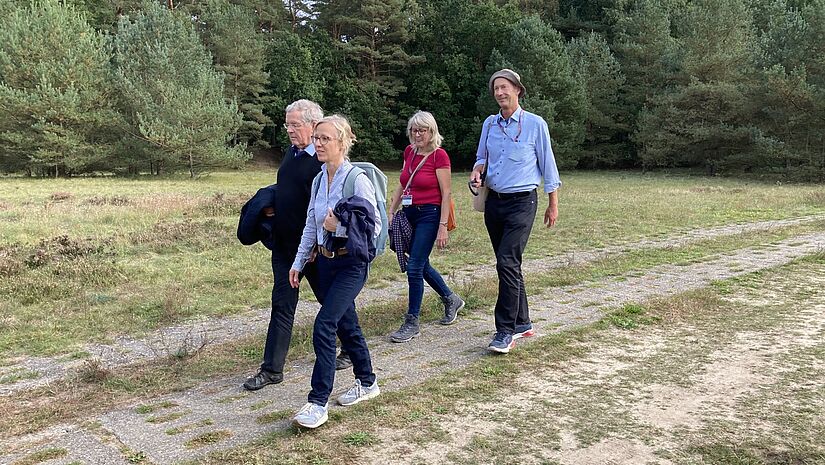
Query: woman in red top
{"points": [[424, 196]]}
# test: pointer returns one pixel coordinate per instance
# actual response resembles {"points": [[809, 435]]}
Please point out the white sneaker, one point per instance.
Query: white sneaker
{"points": [[311, 415], [357, 393]]}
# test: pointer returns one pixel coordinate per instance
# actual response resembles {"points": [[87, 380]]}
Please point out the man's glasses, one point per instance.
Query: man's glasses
{"points": [[321, 140], [419, 130], [293, 125]]}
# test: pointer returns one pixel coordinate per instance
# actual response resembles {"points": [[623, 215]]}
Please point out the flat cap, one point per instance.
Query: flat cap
{"points": [[511, 76]]}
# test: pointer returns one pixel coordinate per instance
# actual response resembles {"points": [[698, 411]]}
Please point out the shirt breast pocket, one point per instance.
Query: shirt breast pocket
{"points": [[522, 152]]}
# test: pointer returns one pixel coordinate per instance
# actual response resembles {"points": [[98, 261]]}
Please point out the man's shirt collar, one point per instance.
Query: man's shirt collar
{"points": [[514, 117], [309, 149]]}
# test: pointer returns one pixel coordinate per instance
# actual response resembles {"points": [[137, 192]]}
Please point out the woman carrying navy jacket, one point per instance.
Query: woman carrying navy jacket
{"points": [[341, 275]]}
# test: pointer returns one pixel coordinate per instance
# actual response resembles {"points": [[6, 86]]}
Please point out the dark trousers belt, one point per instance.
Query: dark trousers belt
{"points": [[511, 195], [331, 253]]}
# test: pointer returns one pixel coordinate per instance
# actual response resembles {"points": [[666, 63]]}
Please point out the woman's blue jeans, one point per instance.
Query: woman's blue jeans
{"points": [[340, 280], [424, 221]]}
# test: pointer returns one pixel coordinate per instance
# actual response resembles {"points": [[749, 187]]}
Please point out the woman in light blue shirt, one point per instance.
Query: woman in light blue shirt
{"points": [[341, 275]]}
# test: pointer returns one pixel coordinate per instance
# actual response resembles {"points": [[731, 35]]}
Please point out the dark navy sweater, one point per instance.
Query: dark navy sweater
{"points": [[294, 185]]}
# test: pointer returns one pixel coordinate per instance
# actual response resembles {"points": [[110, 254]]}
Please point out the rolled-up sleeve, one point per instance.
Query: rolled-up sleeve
{"points": [[307, 239], [546, 159]]}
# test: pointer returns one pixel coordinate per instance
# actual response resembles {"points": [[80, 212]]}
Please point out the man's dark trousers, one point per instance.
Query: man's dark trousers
{"points": [[284, 302], [509, 219]]}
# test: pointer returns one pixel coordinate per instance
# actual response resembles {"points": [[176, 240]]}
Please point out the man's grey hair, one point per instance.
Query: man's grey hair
{"points": [[310, 111]]}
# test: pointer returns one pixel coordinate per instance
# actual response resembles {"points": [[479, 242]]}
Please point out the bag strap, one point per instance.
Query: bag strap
{"points": [[409, 181], [486, 152]]}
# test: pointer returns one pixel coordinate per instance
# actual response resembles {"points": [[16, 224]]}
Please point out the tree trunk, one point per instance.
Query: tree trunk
{"points": [[191, 166]]}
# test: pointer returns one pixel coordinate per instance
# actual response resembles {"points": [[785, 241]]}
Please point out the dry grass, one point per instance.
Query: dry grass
{"points": [[93, 371], [106, 250]]}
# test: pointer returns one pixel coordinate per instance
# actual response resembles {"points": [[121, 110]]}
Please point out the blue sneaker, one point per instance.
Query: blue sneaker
{"points": [[501, 343], [524, 331]]}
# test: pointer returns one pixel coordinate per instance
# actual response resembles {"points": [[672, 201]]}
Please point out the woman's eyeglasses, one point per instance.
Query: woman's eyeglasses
{"points": [[321, 140], [419, 130]]}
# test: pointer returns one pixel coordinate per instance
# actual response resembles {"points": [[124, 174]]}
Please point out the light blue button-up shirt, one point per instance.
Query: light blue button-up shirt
{"points": [[314, 232], [519, 160], [310, 149]]}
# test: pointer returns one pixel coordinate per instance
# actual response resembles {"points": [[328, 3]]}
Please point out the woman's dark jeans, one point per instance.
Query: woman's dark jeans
{"points": [[340, 279], [424, 220]]}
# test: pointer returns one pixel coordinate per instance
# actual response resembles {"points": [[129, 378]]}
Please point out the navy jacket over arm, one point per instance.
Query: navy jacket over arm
{"points": [[253, 226], [358, 216]]}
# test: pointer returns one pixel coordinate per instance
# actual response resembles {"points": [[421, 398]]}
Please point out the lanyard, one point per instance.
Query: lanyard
{"points": [[521, 117], [412, 173]]}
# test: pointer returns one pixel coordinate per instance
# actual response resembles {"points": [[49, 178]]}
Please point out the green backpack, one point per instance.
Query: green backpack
{"points": [[379, 183]]}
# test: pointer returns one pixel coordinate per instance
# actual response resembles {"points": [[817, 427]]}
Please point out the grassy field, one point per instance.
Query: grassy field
{"points": [[90, 259]]}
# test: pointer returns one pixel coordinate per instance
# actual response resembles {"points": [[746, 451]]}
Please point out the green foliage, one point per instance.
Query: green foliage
{"points": [[171, 95], [707, 121], [729, 85], [55, 116], [647, 51], [792, 88], [456, 38], [239, 53], [294, 67], [371, 35], [599, 71]]}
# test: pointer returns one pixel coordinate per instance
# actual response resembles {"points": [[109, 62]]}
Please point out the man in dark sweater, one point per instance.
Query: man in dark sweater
{"points": [[298, 168]]}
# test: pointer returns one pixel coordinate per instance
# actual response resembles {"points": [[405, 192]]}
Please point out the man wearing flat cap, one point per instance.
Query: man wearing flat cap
{"points": [[513, 159]]}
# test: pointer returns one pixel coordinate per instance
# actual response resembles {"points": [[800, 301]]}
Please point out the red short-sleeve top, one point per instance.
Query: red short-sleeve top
{"points": [[424, 187]]}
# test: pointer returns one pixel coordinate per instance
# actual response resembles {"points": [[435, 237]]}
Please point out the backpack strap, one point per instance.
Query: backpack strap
{"points": [[316, 184], [349, 181]]}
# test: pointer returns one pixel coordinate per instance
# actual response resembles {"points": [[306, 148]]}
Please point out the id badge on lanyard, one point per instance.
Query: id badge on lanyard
{"points": [[406, 199]]}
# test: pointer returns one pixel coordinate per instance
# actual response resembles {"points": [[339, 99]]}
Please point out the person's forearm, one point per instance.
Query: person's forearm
{"points": [[445, 206], [396, 199], [553, 198]]}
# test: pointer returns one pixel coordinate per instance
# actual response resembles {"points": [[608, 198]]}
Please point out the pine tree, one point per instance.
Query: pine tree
{"points": [[170, 93], [792, 96], [648, 52], [55, 115], [598, 69], [239, 52], [293, 65], [372, 34], [708, 121]]}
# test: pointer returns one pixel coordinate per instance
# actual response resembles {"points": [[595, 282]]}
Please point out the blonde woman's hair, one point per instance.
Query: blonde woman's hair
{"points": [[342, 129], [425, 119]]}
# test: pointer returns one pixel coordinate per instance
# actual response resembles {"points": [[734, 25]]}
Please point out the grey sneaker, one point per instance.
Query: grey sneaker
{"points": [[358, 392], [452, 304], [311, 415], [408, 330]]}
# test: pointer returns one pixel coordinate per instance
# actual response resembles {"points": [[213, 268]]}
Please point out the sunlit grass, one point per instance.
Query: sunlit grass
{"points": [[145, 253]]}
